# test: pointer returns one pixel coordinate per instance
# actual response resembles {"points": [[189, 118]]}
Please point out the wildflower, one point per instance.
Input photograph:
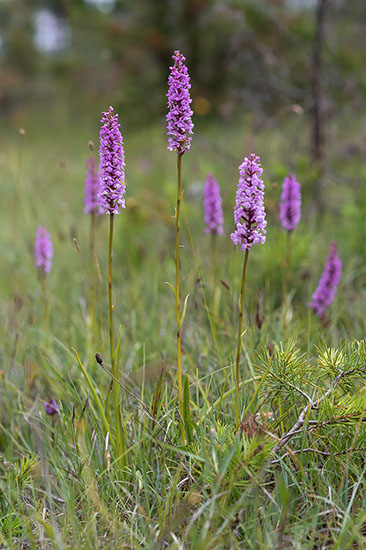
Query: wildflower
{"points": [[249, 213], [290, 206], [111, 198], [43, 249], [51, 407], [327, 286], [214, 218], [112, 163], [92, 185], [179, 125], [179, 120]]}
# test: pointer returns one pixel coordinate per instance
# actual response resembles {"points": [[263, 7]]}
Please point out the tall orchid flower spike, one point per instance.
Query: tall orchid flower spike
{"points": [[179, 129], [328, 283], [111, 199], [214, 217], [43, 250], [250, 220], [290, 206]]}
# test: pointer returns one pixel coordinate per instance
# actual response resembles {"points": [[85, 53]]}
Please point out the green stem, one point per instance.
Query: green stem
{"points": [[214, 271], [45, 301], [286, 276], [238, 351], [213, 257], [114, 367], [110, 302], [99, 317], [92, 271], [177, 290]]}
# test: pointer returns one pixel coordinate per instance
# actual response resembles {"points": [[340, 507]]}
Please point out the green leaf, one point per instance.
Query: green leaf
{"points": [[171, 286], [228, 458], [157, 394], [118, 347], [184, 312], [187, 420]]}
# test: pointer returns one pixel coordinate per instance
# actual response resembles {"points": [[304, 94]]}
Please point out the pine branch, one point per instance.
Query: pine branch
{"points": [[313, 404], [318, 451]]}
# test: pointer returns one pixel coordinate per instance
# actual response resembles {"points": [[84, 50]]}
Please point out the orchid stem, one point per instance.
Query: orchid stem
{"points": [[177, 292], [238, 351], [114, 367], [92, 272], [214, 271], [286, 277], [45, 302]]}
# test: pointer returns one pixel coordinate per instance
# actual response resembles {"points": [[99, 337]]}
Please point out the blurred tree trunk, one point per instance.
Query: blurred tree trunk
{"points": [[317, 133], [163, 29], [192, 11]]}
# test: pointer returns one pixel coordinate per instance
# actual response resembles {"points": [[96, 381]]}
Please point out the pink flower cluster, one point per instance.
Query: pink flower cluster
{"points": [[43, 250], [214, 217], [249, 213], [179, 117]]}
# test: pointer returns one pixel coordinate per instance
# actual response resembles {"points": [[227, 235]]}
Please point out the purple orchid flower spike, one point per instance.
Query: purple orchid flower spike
{"points": [[328, 283], [249, 213], [43, 250], [214, 217], [179, 117], [112, 165], [290, 206]]}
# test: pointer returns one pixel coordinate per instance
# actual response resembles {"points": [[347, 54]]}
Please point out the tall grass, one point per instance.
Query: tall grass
{"points": [[61, 480]]}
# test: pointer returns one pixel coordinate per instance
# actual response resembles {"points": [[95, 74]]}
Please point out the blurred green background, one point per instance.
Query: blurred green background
{"points": [[75, 57]]}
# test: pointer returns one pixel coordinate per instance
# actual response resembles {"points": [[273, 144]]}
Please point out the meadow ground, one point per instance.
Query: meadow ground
{"points": [[61, 483]]}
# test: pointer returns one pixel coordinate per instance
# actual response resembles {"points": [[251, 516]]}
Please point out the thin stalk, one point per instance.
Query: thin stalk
{"points": [[177, 290], [99, 281], [286, 284], [213, 257], [114, 367], [45, 301], [214, 271], [110, 302], [92, 271], [238, 351], [286, 276]]}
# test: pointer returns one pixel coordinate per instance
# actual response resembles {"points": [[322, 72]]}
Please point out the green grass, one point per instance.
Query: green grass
{"points": [[61, 485]]}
